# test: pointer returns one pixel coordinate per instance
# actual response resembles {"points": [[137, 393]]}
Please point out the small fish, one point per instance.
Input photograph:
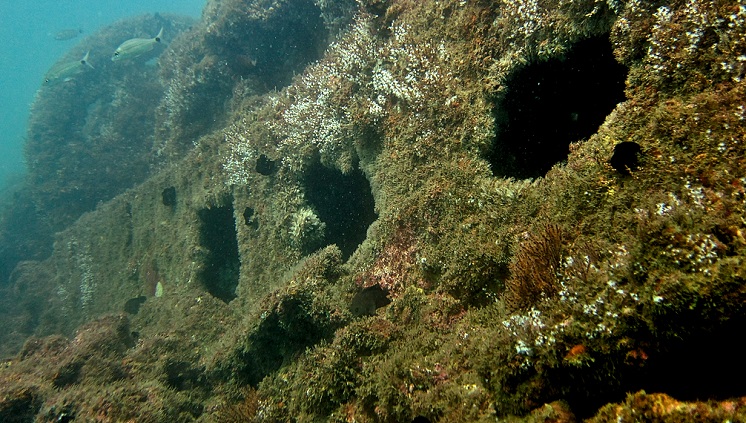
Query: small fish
{"points": [[365, 302], [65, 71], [67, 34], [136, 47], [132, 306]]}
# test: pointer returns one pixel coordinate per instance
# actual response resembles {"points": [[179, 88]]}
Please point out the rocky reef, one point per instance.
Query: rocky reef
{"points": [[409, 211]]}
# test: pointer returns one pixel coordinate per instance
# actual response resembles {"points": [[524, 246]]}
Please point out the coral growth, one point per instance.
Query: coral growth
{"points": [[533, 274]]}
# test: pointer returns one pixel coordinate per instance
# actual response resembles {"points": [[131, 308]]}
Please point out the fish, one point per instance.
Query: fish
{"points": [[132, 306], [65, 71], [365, 302], [67, 34], [135, 47]]}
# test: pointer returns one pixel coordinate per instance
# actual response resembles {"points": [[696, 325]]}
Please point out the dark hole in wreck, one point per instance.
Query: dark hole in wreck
{"points": [[344, 203], [548, 105], [222, 265]]}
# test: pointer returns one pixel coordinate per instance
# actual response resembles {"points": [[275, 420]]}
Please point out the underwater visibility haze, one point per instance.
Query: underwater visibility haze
{"points": [[374, 211], [35, 35]]}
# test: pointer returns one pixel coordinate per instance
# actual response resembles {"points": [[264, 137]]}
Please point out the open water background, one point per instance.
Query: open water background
{"points": [[28, 49]]}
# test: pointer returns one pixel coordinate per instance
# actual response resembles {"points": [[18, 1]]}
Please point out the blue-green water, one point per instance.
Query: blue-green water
{"points": [[28, 49]]}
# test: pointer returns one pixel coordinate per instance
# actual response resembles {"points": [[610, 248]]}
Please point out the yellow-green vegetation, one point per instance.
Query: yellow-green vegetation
{"points": [[596, 288]]}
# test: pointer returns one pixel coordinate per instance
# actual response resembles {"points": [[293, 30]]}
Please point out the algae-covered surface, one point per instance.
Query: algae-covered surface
{"points": [[389, 211]]}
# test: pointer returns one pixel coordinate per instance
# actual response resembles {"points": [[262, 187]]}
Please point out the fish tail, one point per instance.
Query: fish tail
{"points": [[84, 60]]}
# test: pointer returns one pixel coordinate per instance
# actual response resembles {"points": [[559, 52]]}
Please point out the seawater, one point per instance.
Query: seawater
{"points": [[28, 49]]}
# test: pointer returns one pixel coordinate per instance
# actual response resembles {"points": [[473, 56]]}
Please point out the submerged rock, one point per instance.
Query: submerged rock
{"points": [[521, 280]]}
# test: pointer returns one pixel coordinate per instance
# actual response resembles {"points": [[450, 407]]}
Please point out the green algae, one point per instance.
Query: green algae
{"points": [[484, 322]]}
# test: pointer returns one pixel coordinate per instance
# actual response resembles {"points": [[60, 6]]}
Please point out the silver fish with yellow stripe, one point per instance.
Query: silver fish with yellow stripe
{"points": [[136, 47], [65, 71]]}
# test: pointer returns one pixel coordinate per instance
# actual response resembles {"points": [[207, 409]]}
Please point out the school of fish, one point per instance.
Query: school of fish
{"points": [[128, 50]]}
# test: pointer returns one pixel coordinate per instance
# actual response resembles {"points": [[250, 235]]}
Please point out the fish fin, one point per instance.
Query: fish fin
{"points": [[84, 60]]}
